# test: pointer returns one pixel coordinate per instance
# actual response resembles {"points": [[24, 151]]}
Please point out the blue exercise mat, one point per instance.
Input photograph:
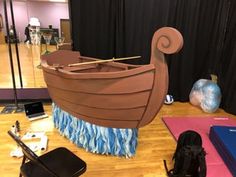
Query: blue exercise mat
{"points": [[224, 140]]}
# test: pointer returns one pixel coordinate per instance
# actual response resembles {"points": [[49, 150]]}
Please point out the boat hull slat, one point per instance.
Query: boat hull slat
{"points": [[105, 101], [102, 122], [112, 114], [134, 84]]}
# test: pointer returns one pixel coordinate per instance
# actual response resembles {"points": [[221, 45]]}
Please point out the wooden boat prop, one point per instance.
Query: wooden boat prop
{"points": [[111, 94]]}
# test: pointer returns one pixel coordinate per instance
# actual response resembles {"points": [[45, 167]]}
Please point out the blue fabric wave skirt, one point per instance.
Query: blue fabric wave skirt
{"points": [[94, 138]]}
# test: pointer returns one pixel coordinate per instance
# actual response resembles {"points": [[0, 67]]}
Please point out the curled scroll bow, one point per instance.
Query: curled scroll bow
{"points": [[168, 40]]}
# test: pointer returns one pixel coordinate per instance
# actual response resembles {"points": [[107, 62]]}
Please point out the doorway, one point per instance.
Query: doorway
{"points": [[65, 30]]}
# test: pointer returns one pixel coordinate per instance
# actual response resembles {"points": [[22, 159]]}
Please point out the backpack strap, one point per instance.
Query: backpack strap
{"points": [[168, 172], [202, 163]]}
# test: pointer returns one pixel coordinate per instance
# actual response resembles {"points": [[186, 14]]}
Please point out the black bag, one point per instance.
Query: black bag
{"points": [[189, 156]]}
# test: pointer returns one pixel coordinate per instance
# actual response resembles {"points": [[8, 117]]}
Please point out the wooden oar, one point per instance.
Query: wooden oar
{"points": [[103, 61]]}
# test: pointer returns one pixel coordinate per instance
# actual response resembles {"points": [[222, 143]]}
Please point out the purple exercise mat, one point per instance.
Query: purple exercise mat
{"points": [[215, 165]]}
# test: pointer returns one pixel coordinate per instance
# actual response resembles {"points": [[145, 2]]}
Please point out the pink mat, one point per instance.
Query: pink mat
{"points": [[215, 165]]}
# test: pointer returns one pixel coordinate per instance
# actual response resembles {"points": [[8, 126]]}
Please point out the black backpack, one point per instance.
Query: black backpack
{"points": [[189, 156]]}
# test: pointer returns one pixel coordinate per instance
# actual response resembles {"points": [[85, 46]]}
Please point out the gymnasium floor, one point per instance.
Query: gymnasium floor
{"points": [[155, 143]]}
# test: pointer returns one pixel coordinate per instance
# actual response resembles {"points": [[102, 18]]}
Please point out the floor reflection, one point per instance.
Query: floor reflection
{"points": [[29, 55]]}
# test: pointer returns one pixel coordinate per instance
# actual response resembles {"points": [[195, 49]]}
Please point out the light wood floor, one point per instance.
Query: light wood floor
{"points": [[29, 56], [155, 143]]}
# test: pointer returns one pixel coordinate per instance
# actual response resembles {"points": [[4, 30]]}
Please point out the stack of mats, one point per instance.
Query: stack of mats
{"points": [[224, 140]]}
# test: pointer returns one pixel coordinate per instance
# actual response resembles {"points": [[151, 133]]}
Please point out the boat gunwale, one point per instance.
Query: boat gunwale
{"points": [[97, 75]]}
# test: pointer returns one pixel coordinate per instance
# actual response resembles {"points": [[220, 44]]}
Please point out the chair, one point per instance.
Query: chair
{"points": [[59, 162]]}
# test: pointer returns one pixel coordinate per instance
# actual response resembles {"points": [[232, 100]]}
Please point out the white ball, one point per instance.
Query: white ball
{"points": [[169, 99]]}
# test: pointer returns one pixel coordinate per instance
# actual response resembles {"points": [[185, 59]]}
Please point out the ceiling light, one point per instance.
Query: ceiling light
{"points": [[58, 0]]}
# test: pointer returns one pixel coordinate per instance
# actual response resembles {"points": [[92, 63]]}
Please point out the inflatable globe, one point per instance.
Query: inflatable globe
{"points": [[205, 94]]}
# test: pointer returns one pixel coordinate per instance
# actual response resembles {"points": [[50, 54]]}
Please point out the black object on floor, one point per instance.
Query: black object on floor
{"points": [[59, 162], [12, 108]]}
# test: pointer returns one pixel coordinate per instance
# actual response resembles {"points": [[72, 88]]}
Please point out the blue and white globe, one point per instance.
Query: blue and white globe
{"points": [[205, 94]]}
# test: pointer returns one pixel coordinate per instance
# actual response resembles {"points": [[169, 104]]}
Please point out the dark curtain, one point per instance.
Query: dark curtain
{"points": [[227, 71], [141, 18], [117, 28], [202, 24], [93, 27], [120, 28]]}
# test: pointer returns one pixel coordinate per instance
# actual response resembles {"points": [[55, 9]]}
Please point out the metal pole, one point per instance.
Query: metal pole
{"points": [[10, 54], [16, 45]]}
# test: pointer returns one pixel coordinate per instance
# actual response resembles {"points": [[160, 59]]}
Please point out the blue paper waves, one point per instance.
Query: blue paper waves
{"points": [[94, 138]]}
